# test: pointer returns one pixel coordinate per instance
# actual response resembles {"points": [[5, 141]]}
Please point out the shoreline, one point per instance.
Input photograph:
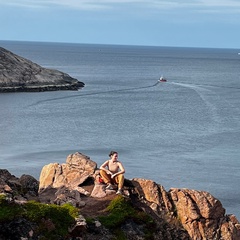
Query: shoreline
{"points": [[42, 88]]}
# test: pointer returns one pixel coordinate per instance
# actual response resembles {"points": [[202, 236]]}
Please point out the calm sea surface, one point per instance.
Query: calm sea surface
{"points": [[184, 133]]}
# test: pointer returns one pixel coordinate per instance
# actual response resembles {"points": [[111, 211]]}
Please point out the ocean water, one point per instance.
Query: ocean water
{"points": [[184, 133]]}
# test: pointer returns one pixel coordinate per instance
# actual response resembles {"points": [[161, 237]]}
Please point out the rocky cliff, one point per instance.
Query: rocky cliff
{"points": [[151, 211], [18, 74]]}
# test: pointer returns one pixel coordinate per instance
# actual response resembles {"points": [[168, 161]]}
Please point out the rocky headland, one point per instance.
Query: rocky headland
{"points": [[18, 74], [145, 211]]}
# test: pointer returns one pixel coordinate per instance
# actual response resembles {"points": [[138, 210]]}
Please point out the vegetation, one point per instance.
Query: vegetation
{"points": [[9, 211], [121, 210], [60, 217], [52, 221]]}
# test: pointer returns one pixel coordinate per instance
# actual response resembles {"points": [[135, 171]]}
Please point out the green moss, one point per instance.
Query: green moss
{"points": [[60, 217], [142, 217], [8, 211], [119, 204], [73, 211], [120, 234], [120, 210], [2, 198], [90, 220]]}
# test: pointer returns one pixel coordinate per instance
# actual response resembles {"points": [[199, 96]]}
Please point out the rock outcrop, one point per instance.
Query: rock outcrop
{"points": [[19, 189], [199, 213], [177, 213], [61, 182], [18, 74], [71, 174]]}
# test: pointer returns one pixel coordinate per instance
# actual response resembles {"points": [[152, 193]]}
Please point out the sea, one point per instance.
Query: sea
{"points": [[183, 133]]}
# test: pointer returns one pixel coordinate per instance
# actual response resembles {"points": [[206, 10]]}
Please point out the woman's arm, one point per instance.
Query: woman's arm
{"points": [[121, 168], [103, 167]]}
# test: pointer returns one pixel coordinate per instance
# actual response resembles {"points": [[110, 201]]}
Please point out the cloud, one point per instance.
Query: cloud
{"points": [[219, 3], [76, 4], [110, 4]]}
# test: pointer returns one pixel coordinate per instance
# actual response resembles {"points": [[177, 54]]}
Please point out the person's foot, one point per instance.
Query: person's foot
{"points": [[119, 192], [109, 187]]}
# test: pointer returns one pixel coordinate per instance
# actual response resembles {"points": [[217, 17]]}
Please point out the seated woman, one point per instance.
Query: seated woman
{"points": [[112, 172]]}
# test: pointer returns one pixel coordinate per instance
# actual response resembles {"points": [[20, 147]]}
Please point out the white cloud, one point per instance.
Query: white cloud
{"points": [[50, 3], [220, 3], [108, 4]]}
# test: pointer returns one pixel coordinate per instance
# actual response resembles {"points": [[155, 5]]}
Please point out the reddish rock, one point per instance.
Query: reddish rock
{"points": [[153, 193], [190, 214], [98, 191], [201, 214], [71, 174]]}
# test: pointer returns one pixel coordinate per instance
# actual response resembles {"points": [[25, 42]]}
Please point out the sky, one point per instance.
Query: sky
{"points": [[178, 23]]}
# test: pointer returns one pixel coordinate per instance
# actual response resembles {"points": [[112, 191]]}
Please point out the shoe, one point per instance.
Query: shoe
{"points": [[109, 187], [119, 192]]}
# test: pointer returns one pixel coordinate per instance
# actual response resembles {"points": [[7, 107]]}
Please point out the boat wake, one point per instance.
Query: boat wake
{"points": [[84, 94], [81, 93], [217, 105], [204, 85]]}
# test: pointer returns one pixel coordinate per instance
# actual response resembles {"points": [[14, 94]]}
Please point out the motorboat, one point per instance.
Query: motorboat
{"points": [[162, 79]]}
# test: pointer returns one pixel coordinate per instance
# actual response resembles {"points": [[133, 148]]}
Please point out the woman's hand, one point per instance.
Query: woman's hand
{"points": [[114, 175]]}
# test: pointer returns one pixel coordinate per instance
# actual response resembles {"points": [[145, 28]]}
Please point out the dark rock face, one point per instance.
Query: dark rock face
{"points": [[18, 74], [19, 228], [19, 189]]}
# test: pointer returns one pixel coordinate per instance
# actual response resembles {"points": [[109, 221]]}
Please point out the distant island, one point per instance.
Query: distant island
{"points": [[18, 74]]}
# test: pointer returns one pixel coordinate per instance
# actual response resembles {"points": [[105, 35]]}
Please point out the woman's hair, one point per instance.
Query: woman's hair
{"points": [[112, 153]]}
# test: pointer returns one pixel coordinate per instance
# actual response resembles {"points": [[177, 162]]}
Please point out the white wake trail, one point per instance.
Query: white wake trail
{"points": [[209, 98]]}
